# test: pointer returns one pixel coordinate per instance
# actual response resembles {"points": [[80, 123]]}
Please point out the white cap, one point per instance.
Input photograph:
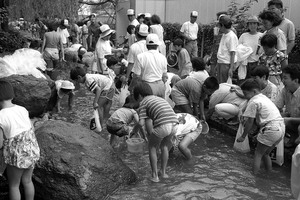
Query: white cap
{"points": [[152, 39], [130, 12], [67, 85], [143, 30], [66, 22], [194, 14], [148, 15]]}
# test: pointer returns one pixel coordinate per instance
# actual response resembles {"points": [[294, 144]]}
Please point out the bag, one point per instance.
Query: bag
{"points": [[241, 146], [95, 122], [2, 163], [123, 94], [277, 154], [242, 71], [229, 80]]}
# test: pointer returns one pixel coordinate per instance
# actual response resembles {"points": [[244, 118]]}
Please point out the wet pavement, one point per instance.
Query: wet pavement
{"points": [[218, 172]]}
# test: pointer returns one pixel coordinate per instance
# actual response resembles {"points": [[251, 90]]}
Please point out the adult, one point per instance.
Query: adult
{"points": [[52, 42], [94, 32], [157, 28], [251, 39], [290, 98], [147, 19], [270, 21], [64, 33], [141, 18], [131, 17], [74, 31], [42, 28], [151, 66], [141, 32], [286, 25], [189, 31]]}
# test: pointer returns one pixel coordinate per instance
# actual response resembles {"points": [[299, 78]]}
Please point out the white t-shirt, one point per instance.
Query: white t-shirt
{"points": [[295, 174], [281, 39], [14, 120], [190, 30], [228, 43], [135, 49], [102, 81], [201, 75], [103, 48], [252, 41], [64, 34], [288, 28], [150, 66]]}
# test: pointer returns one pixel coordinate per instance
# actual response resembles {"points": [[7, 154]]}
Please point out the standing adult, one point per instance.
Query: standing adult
{"points": [[64, 33], [157, 28], [131, 17], [41, 27], [286, 25], [151, 66], [94, 32], [74, 31], [189, 31]]}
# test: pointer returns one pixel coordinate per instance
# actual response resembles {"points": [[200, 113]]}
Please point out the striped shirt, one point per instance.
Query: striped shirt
{"points": [[94, 80], [157, 109]]}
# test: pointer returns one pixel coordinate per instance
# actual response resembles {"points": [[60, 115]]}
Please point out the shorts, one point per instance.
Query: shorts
{"points": [[271, 133], [108, 94], [51, 54], [178, 97], [116, 127], [165, 130]]}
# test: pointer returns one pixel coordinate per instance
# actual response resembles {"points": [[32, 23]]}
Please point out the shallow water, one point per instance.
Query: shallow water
{"points": [[218, 172]]}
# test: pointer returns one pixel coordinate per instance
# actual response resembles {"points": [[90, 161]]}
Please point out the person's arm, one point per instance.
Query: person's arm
{"points": [[128, 72], [195, 109], [201, 109], [97, 92], [210, 112], [248, 126], [58, 105], [71, 100], [230, 72], [149, 126], [44, 44], [135, 117], [290, 46], [62, 49]]}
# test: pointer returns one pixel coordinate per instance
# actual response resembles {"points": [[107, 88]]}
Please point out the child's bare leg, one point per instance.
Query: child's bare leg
{"points": [[267, 162], [153, 144], [183, 147], [164, 147], [106, 109], [261, 149], [101, 103], [27, 183], [14, 178]]}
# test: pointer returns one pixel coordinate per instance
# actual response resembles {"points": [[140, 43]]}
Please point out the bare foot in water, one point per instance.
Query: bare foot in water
{"points": [[154, 179], [164, 175]]}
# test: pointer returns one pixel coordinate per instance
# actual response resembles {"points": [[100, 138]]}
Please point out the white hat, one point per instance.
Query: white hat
{"points": [[194, 14], [105, 30], [147, 15], [143, 30], [152, 39], [140, 14], [67, 85], [130, 12]]}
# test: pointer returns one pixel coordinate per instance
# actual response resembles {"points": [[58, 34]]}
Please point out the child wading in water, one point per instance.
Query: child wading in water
{"points": [[161, 124], [271, 124], [18, 143]]}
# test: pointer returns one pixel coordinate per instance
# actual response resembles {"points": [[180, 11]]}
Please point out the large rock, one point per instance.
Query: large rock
{"points": [[30, 92], [76, 164]]}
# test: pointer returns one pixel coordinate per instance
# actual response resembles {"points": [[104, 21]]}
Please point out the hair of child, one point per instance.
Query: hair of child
{"points": [[129, 28], [269, 40], [198, 64], [77, 71], [111, 61], [6, 91], [277, 3], [271, 16], [293, 70], [142, 89], [178, 42], [174, 80], [131, 103], [211, 83], [250, 84], [155, 19], [261, 71]]}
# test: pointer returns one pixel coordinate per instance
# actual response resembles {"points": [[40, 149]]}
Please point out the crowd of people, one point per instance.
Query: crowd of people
{"points": [[266, 96]]}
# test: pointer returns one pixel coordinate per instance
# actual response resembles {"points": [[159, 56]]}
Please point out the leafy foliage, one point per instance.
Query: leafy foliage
{"points": [[11, 41]]}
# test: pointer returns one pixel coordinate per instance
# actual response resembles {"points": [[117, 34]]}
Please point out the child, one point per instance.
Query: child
{"points": [[161, 125], [274, 59], [199, 69], [119, 122], [18, 143], [102, 86], [131, 32], [269, 120], [184, 60]]}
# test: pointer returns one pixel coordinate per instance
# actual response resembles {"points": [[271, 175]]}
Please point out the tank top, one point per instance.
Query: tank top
{"points": [[52, 39]]}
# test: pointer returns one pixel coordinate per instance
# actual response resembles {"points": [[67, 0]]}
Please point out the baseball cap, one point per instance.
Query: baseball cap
{"points": [[152, 39], [143, 30], [130, 12], [194, 14]]}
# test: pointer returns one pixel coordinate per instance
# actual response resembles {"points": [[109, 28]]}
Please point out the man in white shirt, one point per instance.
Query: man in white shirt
{"points": [[151, 66], [62, 29], [189, 31], [131, 17], [286, 25]]}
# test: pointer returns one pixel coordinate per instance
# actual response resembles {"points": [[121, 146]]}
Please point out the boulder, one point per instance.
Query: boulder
{"points": [[76, 163], [30, 92]]}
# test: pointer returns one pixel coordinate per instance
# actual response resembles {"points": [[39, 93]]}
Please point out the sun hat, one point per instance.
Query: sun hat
{"points": [[252, 19], [141, 14], [194, 14], [130, 12], [6, 90], [152, 39], [147, 15], [105, 30], [143, 30], [67, 85]]}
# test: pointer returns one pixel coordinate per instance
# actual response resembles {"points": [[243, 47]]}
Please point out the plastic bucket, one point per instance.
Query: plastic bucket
{"points": [[135, 145], [205, 127]]}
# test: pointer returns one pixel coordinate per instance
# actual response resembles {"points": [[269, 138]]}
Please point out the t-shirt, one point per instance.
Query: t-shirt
{"points": [[64, 34], [288, 28], [223, 95], [252, 41], [191, 88], [94, 80], [273, 62], [150, 66], [14, 120], [200, 76], [228, 43], [295, 174], [190, 30], [157, 109], [103, 48], [135, 49], [290, 101], [281, 39], [52, 39], [270, 91], [262, 109], [184, 62], [125, 115]]}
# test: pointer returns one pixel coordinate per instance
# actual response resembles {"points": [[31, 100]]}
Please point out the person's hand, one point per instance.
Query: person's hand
{"points": [[230, 73], [240, 139], [95, 106], [202, 117]]}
